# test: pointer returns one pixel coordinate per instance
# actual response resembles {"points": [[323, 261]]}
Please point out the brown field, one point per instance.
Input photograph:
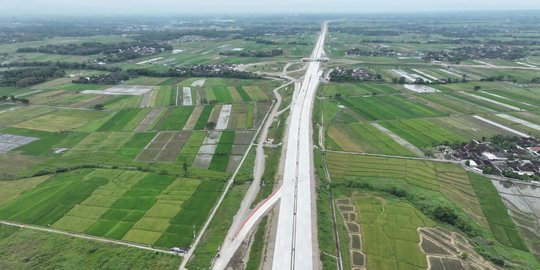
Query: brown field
{"points": [[343, 139], [165, 147], [444, 248]]}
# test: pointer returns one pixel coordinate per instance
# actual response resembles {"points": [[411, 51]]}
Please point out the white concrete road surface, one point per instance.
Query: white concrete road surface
{"points": [[295, 246]]}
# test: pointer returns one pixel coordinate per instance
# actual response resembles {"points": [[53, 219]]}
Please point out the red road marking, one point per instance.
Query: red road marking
{"points": [[255, 211]]}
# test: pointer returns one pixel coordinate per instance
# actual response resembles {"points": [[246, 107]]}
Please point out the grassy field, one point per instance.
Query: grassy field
{"points": [[429, 187], [28, 249], [448, 179], [358, 137], [387, 107], [47, 141], [125, 120], [191, 147], [220, 160], [495, 211], [174, 119], [166, 96], [61, 120], [355, 89], [100, 143], [422, 133], [128, 205], [123, 102], [203, 118], [217, 230], [389, 230]]}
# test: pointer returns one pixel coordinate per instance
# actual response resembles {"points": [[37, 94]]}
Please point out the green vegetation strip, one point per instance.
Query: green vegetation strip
{"points": [[29, 249], [220, 160], [119, 120], [203, 118], [175, 118], [496, 213]]}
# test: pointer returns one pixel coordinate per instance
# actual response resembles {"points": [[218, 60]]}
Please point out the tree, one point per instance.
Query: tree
{"points": [[99, 106], [445, 214], [402, 80], [211, 125], [185, 168], [477, 87]]}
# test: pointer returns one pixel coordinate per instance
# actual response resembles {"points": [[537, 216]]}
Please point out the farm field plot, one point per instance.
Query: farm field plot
{"points": [[174, 118], [233, 90], [220, 159], [191, 147], [21, 114], [453, 105], [527, 95], [207, 149], [12, 189], [468, 127], [82, 100], [390, 236], [241, 142], [203, 118], [54, 145], [47, 97], [495, 211], [164, 147], [444, 181], [166, 96], [516, 124], [519, 75], [142, 80], [422, 133], [99, 146], [123, 102], [241, 116], [387, 107], [9, 142], [129, 205], [479, 102], [61, 120], [125, 120], [504, 100], [150, 120], [64, 252], [355, 89], [358, 137], [533, 117]]}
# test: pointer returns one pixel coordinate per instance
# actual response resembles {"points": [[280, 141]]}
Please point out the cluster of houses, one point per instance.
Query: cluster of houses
{"points": [[457, 55], [521, 160], [382, 50], [105, 79], [345, 74], [205, 68]]}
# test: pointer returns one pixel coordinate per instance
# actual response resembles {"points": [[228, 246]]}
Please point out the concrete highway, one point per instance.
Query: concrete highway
{"points": [[296, 247]]}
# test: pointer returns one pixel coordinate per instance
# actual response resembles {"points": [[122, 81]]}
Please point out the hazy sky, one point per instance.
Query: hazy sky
{"points": [[15, 7]]}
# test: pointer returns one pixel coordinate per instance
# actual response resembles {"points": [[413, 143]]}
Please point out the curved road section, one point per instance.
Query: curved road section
{"points": [[295, 246]]}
